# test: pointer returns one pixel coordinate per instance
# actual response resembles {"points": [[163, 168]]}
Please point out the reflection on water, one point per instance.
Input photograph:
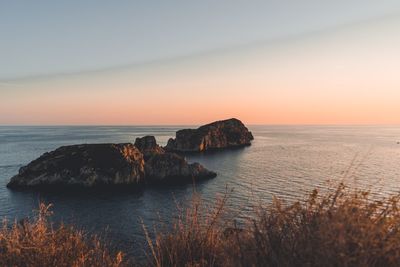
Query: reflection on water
{"points": [[285, 161]]}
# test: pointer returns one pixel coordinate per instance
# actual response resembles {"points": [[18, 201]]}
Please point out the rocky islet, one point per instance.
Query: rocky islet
{"points": [[144, 162]]}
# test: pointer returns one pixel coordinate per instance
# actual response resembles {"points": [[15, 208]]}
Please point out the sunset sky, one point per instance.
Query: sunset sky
{"points": [[190, 62]]}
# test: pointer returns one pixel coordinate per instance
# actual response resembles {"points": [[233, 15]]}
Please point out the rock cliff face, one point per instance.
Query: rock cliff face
{"points": [[172, 168], [217, 135], [84, 166], [148, 146]]}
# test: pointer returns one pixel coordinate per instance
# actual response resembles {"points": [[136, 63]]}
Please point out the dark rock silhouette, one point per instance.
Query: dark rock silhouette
{"points": [[94, 165], [217, 135], [85, 166]]}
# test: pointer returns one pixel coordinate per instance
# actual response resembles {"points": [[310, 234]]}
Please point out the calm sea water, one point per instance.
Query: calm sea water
{"points": [[284, 161]]}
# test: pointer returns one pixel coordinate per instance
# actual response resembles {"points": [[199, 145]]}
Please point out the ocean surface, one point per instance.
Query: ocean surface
{"points": [[284, 161]]}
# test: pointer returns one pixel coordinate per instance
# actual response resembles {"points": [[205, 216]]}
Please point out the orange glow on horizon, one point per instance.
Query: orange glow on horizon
{"points": [[346, 77]]}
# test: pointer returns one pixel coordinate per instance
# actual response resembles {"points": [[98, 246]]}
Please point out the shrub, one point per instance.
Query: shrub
{"points": [[38, 243], [194, 239], [342, 228]]}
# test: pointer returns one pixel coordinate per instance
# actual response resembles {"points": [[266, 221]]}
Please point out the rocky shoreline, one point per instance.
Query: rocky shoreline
{"points": [[131, 165]]}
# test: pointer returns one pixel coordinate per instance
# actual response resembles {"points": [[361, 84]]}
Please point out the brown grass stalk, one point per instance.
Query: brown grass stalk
{"points": [[341, 228], [37, 243]]}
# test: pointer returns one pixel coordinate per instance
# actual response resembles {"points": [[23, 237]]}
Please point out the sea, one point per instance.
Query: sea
{"points": [[284, 162]]}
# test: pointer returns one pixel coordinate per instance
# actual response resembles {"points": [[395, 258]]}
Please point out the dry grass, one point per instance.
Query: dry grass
{"points": [[37, 243], [193, 240], [342, 228]]}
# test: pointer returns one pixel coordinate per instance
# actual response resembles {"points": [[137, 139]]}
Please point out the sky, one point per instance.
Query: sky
{"points": [[191, 62]]}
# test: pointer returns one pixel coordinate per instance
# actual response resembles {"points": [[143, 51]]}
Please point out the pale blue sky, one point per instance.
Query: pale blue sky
{"points": [[51, 37]]}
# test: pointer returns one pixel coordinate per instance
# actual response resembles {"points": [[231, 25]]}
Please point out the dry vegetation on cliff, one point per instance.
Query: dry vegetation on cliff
{"points": [[342, 228], [37, 243]]}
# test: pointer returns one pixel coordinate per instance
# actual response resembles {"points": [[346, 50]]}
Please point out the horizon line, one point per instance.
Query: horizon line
{"points": [[197, 124]]}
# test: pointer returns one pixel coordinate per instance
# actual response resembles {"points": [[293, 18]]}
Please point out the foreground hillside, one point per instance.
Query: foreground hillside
{"points": [[342, 228]]}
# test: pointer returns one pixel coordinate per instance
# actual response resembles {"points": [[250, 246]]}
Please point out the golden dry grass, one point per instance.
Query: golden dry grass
{"points": [[37, 243], [194, 239], [342, 228]]}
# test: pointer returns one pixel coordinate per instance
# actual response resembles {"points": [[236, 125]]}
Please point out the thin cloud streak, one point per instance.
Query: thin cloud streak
{"points": [[348, 76]]}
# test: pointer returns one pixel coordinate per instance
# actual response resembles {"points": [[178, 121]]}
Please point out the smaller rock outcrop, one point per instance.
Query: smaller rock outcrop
{"points": [[167, 167], [148, 146], [217, 135], [86, 165], [172, 168]]}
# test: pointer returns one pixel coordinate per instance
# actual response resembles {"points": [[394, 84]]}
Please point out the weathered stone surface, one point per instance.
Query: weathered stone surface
{"points": [[165, 167], [172, 168], [85, 165], [217, 135], [148, 146]]}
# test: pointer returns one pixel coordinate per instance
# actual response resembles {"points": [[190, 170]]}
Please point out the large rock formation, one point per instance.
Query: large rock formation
{"points": [[84, 166], [94, 165], [126, 164], [216, 135], [148, 146], [172, 168]]}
